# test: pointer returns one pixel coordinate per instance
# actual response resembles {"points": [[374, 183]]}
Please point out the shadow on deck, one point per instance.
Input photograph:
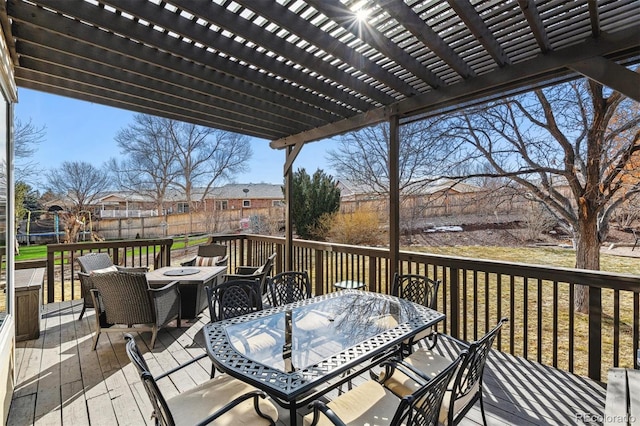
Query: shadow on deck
{"points": [[61, 381]]}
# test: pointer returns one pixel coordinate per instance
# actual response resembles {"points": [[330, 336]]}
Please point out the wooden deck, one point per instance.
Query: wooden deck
{"points": [[61, 381]]}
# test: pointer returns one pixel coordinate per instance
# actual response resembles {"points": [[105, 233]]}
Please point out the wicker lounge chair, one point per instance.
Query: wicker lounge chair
{"points": [[126, 299], [209, 255], [95, 263], [251, 272]]}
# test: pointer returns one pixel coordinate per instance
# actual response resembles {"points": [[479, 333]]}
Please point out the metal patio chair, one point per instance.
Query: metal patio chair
{"points": [[372, 403], [418, 289], [465, 389], [221, 401], [289, 287]]}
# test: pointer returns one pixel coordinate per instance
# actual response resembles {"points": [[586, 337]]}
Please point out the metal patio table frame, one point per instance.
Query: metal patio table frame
{"points": [[296, 389]]}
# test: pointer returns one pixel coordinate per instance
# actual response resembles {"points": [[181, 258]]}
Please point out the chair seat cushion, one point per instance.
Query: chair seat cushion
{"points": [[112, 268], [194, 405], [368, 404], [206, 260], [386, 322], [312, 320], [431, 364]]}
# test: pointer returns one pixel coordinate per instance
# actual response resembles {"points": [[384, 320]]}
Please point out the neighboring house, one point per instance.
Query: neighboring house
{"points": [[124, 204], [236, 196], [440, 195]]}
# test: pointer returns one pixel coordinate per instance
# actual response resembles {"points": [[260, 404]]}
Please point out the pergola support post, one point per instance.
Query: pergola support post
{"points": [[394, 195], [291, 153]]}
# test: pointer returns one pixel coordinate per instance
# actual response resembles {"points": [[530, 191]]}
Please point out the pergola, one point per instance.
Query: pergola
{"points": [[297, 71]]}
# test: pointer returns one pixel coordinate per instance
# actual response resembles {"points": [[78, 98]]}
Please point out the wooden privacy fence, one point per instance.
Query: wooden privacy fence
{"points": [[62, 282]]}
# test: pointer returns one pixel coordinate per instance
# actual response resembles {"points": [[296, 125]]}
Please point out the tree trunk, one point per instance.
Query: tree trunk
{"points": [[587, 257]]}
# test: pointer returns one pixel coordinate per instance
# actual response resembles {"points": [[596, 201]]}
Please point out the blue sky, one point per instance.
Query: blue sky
{"points": [[83, 131]]}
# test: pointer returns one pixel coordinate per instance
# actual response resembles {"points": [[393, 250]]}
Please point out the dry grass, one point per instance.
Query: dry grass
{"points": [[540, 297]]}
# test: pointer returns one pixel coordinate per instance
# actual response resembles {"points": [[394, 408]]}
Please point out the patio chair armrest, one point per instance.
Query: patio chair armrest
{"points": [[181, 366], [95, 296], [407, 369], [249, 395], [140, 269], [166, 301], [223, 261], [85, 283], [246, 270], [321, 407], [190, 262], [455, 340], [229, 277]]}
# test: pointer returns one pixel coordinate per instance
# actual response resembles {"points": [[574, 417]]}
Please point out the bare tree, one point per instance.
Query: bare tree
{"points": [[362, 157], [26, 136], [149, 159], [569, 147], [80, 183], [205, 156], [160, 153]]}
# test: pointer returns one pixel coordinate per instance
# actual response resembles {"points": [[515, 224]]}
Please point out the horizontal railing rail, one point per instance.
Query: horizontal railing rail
{"points": [[62, 282], [538, 300]]}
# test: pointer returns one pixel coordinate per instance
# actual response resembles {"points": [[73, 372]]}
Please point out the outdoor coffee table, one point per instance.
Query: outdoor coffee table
{"points": [[299, 352], [192, 281]]}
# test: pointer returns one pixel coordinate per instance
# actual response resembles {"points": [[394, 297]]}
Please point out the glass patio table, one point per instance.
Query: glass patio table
{"points": [[301, 351]]}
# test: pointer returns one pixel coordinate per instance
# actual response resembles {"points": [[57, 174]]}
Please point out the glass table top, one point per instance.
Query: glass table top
{"points": [[302, 336]]}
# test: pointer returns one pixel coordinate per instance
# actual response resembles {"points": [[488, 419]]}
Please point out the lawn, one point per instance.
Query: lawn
{"points": [[40, 251], [546, 256]]}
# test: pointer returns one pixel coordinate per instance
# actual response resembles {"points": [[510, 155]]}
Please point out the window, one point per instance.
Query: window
{"points": [[222, 205], [183, 207], [246, 203], [277, 203]]}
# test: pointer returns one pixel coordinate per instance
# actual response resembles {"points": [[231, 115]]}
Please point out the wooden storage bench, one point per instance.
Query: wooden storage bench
{"points": [[28, 287]]}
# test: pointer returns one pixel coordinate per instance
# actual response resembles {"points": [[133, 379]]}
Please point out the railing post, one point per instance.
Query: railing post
{"points": [[373, 278], [454, 302], [319, 272], [595, 332], [50, 275]]}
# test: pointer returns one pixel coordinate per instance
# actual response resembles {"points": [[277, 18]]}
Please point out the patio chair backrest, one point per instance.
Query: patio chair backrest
{"points": [[469, 377], [289, 287], [92, 261], [422, 407], [234, 298], [212, 250], [416, 288], [125, 297], [161, 411]]}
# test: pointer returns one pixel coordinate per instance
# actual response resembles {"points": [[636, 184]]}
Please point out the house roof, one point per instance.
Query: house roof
{"points": [[294, 71], [255, 191], [352, 189]]}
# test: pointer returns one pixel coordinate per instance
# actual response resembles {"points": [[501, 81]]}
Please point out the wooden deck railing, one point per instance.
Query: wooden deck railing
{"points": [[475, 294], [62, 282], [537, 299]]}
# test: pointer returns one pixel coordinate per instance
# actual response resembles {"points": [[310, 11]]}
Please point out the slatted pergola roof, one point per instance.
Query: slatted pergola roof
{"points": [[293, 71]]}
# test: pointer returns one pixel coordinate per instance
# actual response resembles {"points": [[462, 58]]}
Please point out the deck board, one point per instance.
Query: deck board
{"points": [[61, 381]]}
